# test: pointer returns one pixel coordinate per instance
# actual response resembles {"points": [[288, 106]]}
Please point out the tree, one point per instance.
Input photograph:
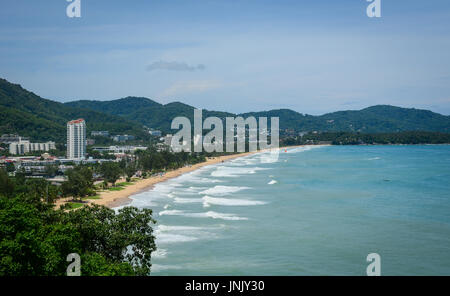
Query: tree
{"points": [[10, 167], [110, 171], [80, 182], [109, 234], [145, 162], [95, 264], [6, 184], [130, 170], [32, 242], [35, 239], [51, 170], [158, 161]]}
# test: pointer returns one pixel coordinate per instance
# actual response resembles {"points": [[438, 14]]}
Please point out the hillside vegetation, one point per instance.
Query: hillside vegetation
{"points": [[375, 119], [27, 114]]}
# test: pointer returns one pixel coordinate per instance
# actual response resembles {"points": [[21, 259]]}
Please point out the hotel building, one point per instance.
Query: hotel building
{"points": [[24, 147], [76, 139]]}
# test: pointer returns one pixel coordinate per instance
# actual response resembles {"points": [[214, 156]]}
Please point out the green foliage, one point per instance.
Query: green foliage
{"points": [[116, 188], [109, 234], [37, 189], [51, 170], [95, 264], [33, 242], [35, 239], [91, 197], [111, 171], [145, 111], [100, 155], [151, 160], [343, 138], [29, 115], [74, 205], [376, 119], [6, 184], [80, 182], [130, 169]]}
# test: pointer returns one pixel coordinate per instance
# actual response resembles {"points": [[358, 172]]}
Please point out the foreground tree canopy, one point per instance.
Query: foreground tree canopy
{"points": [[35, 239]]}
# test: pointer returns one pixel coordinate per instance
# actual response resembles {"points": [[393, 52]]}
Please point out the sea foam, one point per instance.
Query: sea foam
{"points": [[180, 200], [223, 190], [169, 234], [209, 214], [207, 201], [225, 171]]}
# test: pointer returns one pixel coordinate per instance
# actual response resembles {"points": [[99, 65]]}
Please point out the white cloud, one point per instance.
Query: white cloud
{"points": [[188, 87], [174, 66]]}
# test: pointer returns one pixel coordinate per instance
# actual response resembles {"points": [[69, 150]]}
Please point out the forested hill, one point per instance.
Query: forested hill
{"points": [[145, 111], [376, 119], [27, 114]]}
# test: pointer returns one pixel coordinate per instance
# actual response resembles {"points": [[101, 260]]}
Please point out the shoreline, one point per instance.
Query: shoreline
{"points": [[113, 199]]}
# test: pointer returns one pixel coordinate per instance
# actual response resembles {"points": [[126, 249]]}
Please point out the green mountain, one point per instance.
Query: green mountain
{"points": [[29, 115], [376, 119], [145, 111]]}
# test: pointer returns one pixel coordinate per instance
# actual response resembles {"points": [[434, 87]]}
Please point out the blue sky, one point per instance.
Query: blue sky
{"points": [[313, 56]]}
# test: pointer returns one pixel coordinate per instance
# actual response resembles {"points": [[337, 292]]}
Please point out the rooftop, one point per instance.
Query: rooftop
{"points": [[76, 121]]}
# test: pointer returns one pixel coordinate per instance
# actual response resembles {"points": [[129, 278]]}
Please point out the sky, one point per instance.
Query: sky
{"points": [[313, 56]]}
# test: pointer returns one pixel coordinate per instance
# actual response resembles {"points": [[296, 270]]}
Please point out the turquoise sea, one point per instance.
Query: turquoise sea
{"points": [[316, 211]]}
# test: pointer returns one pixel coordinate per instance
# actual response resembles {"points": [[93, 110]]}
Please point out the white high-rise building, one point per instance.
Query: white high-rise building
{"points": [[76, 139]]}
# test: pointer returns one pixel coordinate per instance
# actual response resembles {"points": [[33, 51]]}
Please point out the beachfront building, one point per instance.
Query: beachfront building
{"points": [[119, 149], [24, 146], [155, 133], [122, 138], [76, 139], [168, 139], [100, 134], [11, 138]]}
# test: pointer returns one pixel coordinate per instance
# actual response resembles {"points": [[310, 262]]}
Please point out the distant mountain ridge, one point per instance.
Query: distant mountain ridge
{"points": [[145, 111], [29, 115], [375, 119]]}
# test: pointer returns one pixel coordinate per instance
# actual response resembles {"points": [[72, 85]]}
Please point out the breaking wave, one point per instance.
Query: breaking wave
{"points": [[207, 201], [223, 190], [209, 214]]}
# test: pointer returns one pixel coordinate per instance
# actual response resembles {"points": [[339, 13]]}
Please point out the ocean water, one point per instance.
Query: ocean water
{"points": [[316, 211]]}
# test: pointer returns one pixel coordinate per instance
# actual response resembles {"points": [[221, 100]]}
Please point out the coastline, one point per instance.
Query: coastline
{"points": [[112, 199]]}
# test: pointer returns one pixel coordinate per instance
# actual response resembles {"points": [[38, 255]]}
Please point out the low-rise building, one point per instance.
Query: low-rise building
{"points": [[155, 133], [11, 138], [162, 147], [23, 147], [100, 134], [119, 149], [122, 138], [168, 139]]}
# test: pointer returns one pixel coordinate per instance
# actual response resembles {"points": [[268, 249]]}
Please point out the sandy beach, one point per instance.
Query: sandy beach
{"points": [[113, 199]]}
